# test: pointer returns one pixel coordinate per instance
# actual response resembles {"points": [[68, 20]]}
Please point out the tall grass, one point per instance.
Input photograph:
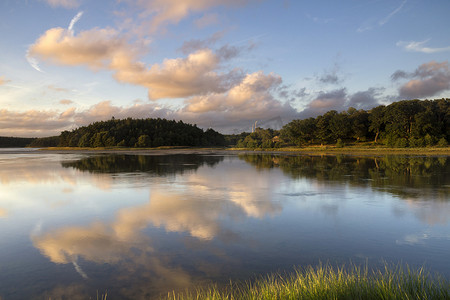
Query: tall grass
{"points": [[326, 282]]}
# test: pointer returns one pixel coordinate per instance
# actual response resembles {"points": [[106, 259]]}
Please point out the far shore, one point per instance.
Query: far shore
{"points": [[312, 150]]}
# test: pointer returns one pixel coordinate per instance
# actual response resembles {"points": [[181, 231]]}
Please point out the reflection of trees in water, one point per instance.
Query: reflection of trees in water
{"points": [[157, 164], [405, 176]]}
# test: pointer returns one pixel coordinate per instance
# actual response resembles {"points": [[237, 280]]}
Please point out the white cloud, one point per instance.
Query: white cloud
{"points": [[32, 61], [64, 3], [369, 24], [420, 47], [394, 12], [3, 80], [74, 21]]}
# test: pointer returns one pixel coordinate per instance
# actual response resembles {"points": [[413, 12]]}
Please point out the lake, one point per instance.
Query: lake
{"points": [[139, 226]]}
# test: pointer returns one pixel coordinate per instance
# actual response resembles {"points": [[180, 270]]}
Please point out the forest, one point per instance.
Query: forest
{"points": [[140, 133], [14, 142], [407, 123]]}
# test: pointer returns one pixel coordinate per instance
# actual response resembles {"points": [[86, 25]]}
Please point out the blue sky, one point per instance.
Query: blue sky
{"points": [[219, 63]]}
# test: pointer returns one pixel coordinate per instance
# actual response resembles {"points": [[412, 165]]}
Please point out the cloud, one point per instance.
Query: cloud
{"points": [[32, 61], [326, 101], [181, 77], [105, 111], [56, 88], [34, 122], [244, 103], [95, 48], [207, 20], [195, 74], [163, 12], [399, 74], [427, 80], [331, 76], [419, 47], [368, 25], [393, 13], [254, 90], [197, 44], [340, 100], [74, 21], [318, 20], [40, 123], [365, 99], [3, 80], [64, 3], [65, 102]]}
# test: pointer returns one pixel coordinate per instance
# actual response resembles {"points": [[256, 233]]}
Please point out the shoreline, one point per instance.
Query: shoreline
{"points": [[317, 150]]}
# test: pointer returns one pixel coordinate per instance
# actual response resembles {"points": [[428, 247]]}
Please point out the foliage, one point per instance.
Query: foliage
{"points": [[260, 138], [10, 142], [51, 141], [139, 133], [233, 139], [327, 282], [407, 123]]}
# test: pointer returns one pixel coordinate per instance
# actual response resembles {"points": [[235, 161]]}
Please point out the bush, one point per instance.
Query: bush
{"points": [[417, 142], [401, 143], [429, 140], [339, 143], [442, 142]]}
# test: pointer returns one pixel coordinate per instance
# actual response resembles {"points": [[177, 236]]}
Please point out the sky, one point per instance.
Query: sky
{"points": [[221, 64]]}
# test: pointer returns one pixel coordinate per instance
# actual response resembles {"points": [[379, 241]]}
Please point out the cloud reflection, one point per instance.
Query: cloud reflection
{"points": [[202, 206], [421, 238], [3, 213]]}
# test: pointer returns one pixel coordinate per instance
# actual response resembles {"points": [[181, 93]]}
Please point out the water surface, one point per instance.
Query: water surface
{"points": [[139, 226]]}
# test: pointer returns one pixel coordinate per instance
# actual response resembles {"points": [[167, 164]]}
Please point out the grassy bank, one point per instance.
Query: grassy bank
{"points": [[326, 282], [356, 149], [329, 149]]}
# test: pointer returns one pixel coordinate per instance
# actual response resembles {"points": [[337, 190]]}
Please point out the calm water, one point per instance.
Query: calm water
{"points": [[139, 226]]}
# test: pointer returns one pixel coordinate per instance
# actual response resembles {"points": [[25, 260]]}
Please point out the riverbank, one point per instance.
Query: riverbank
{"points": [[321, 150], [326, 282]]}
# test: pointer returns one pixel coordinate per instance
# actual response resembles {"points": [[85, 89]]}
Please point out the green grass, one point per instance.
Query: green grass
{"points": [[326, 282]]}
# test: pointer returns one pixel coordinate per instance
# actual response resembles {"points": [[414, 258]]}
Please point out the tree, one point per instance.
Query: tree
{"points": [[339, 126], [376, 120], [299, 132], [359, 123], [323, 132], [143, 141]]}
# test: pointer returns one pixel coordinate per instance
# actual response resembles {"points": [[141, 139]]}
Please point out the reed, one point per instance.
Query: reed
{"points": [[327, 282]]}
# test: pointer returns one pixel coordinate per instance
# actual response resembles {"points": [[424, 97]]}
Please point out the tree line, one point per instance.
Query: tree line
{"points": [[407, 123], [134, 133], [14, 142]]}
